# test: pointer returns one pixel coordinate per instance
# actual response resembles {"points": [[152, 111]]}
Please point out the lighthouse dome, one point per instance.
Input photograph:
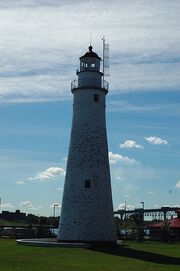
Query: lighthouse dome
{"points": [[90, 53]]}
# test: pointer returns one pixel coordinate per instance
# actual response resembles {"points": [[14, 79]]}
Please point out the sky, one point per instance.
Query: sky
{"points": [[40, 45]]}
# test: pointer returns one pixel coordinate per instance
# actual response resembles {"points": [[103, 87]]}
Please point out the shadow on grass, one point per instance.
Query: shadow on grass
{"points": [[121, 250]]}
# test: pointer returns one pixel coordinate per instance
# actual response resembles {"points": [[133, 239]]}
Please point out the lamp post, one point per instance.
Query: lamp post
{"points": [[37, 226], [54, 213], [142, 202], [142, 219], [125, 221], [55, 205]]}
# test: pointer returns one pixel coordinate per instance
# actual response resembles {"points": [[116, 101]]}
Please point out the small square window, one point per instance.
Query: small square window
{"points": [[96, 98], [87, 184]]}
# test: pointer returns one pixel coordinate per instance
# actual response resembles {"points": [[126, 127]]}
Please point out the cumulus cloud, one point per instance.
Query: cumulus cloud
{"points": [[41, 59], [7, 205], [27, 204], [122, 206], [128, 144], [116, 157], [20, 182], [178, 184], [151, 192], [156, 140], [49, 174]]}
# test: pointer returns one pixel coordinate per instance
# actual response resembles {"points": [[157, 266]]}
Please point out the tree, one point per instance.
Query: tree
{"points": [[139, 225], [166, 230]]}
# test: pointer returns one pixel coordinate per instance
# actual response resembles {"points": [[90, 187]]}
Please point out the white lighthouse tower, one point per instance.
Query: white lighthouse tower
{"points": [[87, 210]]}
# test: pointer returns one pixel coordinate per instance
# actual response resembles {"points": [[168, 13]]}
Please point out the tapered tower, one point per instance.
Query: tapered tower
{"points": [[87, 211]]}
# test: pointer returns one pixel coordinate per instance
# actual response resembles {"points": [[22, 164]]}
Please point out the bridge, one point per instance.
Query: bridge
{"points": [[159, 213]]}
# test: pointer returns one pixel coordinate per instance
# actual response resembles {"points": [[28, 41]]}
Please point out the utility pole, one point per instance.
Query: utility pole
{"points": [[55, 205], [142, 202], [125, 221]]}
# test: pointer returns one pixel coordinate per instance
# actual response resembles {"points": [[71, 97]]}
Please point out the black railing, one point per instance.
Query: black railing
{"points": [[87, 83]]}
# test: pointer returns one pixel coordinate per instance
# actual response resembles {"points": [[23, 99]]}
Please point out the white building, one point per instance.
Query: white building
{"points": [[87, 211]]}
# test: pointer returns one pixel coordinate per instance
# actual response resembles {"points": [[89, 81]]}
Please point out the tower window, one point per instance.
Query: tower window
{"points": [[87, 183], [96, 98]]}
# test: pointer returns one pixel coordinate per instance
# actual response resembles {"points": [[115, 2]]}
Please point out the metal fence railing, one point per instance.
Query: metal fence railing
{"points": [[87, 83]]}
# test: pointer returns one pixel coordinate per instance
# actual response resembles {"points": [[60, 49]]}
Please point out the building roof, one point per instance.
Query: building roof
{"points": [[173, 223], [90, 53]]}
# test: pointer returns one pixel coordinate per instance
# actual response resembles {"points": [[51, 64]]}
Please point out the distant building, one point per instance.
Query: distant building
{"points": [[156, 230], [17, 215]]}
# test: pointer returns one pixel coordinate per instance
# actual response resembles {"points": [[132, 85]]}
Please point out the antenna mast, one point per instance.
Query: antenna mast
{"points": [[106, 72], [90, 38]]}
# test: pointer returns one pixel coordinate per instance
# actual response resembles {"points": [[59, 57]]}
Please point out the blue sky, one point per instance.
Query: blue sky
{"points": [[40, 45]]}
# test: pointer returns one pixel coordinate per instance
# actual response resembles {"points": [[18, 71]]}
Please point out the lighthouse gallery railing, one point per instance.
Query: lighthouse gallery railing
{"points": [[89, 84]]}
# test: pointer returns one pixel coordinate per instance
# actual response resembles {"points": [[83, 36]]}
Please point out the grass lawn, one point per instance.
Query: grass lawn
{"points": [[131, 256]]}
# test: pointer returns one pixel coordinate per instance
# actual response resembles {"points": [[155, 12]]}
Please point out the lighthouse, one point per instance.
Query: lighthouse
{"points": [[87, 209]]}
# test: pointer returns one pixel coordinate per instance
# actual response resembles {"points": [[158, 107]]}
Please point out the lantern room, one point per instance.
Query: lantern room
{"points": [[90, 61]]}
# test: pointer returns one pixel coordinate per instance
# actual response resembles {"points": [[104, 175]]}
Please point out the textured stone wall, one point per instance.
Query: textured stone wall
{"points": [[87, 212]]}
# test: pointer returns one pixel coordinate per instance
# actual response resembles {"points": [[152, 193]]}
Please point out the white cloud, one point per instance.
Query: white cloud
{"points": [[178, 184], [36, 45], [57, 205], [116, 157], [128, 206], [156, 140], [27, 204], [151, 192], [48, 174], [7, 205], [170, 205], [131, 144], [20, 182]]}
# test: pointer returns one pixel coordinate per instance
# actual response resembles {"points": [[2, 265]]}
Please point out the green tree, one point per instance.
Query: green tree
{"points": [[166, 230]]}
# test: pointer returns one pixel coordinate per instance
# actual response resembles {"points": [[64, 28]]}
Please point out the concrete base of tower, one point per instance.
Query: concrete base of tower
{"points": [[51, 242], [91, 243]]}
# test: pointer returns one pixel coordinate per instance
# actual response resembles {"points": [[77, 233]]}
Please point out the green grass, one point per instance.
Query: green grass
{"points": [[133, 256]]}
